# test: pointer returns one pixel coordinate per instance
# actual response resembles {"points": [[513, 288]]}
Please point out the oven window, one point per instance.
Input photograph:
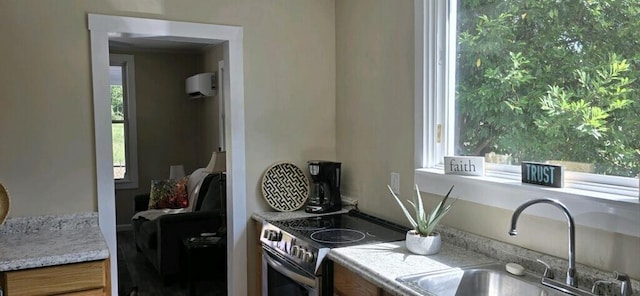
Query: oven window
{"points": [[281, 285]]}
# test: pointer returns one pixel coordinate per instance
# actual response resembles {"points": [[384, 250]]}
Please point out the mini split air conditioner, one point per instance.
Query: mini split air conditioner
{"points": [[201, 85]]}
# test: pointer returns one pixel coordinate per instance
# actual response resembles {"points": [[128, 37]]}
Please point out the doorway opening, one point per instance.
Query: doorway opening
{"points": [[102, 27]]}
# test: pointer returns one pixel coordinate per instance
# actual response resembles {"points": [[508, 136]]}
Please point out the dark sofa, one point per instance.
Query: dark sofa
{"points": [[160, 240]]}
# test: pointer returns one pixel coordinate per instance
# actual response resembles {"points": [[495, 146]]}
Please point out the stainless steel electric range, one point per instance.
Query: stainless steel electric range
{"points": [[294, 251]]}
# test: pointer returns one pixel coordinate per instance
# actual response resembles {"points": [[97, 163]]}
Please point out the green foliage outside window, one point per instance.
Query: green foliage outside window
{"points": [[117, 130], [117, 103], [550, 80]]}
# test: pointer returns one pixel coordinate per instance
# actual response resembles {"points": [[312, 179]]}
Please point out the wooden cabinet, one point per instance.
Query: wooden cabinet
{"points": [[77, 279], [347, 283]]}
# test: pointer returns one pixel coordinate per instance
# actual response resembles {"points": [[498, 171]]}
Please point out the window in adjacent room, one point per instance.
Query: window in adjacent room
{"points": [[545, 80], [123, 127]]}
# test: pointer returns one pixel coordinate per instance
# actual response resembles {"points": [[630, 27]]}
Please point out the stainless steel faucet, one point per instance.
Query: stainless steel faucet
{"points": [[571, 270]]}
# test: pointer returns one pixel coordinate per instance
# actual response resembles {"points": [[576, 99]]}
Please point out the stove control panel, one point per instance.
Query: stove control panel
{"points": [[295, 249]]}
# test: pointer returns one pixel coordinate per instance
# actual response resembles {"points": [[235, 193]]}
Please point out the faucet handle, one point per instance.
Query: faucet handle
{"points": [[625, 286], [595, 289], [621, 276], [548, 272]]}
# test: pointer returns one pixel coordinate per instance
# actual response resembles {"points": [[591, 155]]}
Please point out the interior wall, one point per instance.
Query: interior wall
{"points": [[374, 103], [289, 56], [209, 110], [374, 98], [46, 119], [46, 124], [167, 126]]}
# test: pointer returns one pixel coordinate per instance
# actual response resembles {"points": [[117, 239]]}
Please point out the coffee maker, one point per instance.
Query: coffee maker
{"points": [[325, 189]]}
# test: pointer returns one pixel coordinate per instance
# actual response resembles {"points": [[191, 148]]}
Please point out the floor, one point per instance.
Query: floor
{"points": [[135, 272]]}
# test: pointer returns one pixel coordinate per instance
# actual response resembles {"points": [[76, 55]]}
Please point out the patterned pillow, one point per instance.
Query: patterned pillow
{"points": [[169, 194]]}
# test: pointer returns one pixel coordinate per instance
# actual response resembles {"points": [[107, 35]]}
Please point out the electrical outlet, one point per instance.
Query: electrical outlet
{"points": [[395, 183]]}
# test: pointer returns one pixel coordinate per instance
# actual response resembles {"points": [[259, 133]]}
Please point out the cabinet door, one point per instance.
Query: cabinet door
{"points": [[347, 283], [57, 279]]}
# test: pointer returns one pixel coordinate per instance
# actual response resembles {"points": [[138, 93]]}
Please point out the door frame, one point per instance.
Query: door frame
{"points": [[101, 27]]}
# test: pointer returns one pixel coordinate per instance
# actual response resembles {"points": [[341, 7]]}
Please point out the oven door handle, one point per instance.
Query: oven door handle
{"points": [[289, 273]]}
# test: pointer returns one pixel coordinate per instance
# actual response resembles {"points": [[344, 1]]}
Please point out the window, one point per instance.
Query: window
{"points": [[545, 81], [549, 81], [123, 121]]}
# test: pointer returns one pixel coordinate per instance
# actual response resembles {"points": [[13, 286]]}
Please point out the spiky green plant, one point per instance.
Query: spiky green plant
{"points": [[424, 223]]}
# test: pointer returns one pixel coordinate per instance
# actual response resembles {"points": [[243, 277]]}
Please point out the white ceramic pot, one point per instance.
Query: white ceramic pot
{"points": [[423, 245]]}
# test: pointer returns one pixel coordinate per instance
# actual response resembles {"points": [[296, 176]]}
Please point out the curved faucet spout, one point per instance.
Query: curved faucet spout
{"points": [[571, 270]]}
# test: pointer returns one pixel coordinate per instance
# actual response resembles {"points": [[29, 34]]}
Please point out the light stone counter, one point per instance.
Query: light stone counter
{"points": [[30, 242], [381, 264]]}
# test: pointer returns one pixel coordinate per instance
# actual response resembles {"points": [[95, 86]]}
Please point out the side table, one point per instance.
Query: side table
{"points": [[205, 259]]}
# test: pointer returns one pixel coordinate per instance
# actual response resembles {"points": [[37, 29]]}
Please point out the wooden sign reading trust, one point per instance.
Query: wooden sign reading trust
{"points": [[542, 174]]}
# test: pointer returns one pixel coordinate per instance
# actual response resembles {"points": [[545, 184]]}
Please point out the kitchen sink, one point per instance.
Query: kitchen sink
{"points": [[480, 280]]}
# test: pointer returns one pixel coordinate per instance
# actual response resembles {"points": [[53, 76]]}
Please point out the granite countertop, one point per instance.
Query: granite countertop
{"points": [[30, 242], [382, 263]]}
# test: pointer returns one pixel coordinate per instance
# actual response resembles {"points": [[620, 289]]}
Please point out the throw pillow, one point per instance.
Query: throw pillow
{"points": [[169, 194]]}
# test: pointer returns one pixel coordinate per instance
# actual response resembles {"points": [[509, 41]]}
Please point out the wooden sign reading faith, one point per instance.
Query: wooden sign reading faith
{"points": [[542, 174], [464, 165]]}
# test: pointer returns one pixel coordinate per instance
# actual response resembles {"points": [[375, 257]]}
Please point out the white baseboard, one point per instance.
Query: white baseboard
{"points": [[124, 227]]}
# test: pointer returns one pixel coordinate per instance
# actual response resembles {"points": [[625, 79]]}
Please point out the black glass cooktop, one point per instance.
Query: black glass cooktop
{"points": [[341, 230]]}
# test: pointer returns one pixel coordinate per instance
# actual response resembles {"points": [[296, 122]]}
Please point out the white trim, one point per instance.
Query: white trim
{"points": [[431, 107], [236, 167], [130, 180], [449, 73], [419, 85], [436, 27], [104, 148], [100, 27], [221, 110]]}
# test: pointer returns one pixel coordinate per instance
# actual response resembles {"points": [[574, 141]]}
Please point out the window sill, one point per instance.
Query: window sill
{"points": [[610, 212]]}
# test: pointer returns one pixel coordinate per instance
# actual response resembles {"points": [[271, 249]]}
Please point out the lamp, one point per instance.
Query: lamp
{"points": [[218, 162], [176, 171]]}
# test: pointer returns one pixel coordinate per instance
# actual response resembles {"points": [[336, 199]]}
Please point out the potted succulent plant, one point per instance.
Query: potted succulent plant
{"points": [[423, 239]]}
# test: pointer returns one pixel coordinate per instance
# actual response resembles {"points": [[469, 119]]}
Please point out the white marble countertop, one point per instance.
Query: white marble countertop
{"points": [[30, 242]]}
